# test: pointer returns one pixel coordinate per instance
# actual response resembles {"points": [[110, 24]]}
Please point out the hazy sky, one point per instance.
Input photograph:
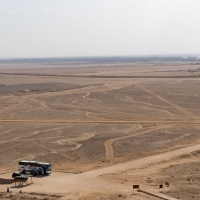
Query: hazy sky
{"points": [[57, 28]]}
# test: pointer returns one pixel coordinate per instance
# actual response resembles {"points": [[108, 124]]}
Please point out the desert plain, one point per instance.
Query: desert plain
{"points": [[103, 127]]}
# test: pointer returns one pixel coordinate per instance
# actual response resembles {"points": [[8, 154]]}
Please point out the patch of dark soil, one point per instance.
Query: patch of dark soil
{"points": [[6, 181]]}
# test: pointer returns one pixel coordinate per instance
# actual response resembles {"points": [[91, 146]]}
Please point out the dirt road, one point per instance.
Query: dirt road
{"points": [[76, 184], [173, 105], [109, 144], [167, 121]]}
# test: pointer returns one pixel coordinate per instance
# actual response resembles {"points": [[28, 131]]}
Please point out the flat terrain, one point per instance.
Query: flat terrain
{"points": [[84, 118]]}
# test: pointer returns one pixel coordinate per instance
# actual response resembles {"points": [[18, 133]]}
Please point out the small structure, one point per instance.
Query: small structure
{"points": [[22, 179]]}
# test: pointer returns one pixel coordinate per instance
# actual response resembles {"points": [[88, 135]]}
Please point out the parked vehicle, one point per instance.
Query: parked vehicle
{"points": [[34, 167], [27, 172], [14, 174]]}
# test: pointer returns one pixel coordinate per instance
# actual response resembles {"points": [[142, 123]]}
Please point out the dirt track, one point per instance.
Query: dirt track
{"points": [[109, 144], [69, 184], [184, 111], [28, 139], [168, 121]]}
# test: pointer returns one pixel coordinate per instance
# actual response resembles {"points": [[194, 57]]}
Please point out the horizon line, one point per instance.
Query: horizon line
{"points": [[108, 56]]}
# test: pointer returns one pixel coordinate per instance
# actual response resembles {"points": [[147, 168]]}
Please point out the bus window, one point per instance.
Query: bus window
{"points": [[23, 163], [48, 167]]}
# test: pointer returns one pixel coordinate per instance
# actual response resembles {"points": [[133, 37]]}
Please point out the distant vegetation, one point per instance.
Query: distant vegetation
{"points": [[117, 59]]}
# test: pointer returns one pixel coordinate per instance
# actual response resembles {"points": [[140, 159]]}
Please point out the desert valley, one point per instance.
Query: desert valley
{"points": [[103, 127]]}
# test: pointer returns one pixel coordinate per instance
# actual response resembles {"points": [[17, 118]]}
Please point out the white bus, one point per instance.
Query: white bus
{"points": [[35, 167]]}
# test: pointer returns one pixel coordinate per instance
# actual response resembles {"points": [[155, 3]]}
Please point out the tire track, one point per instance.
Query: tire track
{"points": [[144, 161], [9, 106], [169, 121], [97, 76], [180, 109], [29, 139], [13, 146], [87, 89], [109, 144]]}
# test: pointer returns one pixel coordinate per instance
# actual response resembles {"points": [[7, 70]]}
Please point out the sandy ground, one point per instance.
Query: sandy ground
{"points": [[82, 124]]}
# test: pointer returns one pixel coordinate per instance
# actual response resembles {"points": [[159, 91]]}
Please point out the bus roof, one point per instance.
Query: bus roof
{"points": [[31, 161]]}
